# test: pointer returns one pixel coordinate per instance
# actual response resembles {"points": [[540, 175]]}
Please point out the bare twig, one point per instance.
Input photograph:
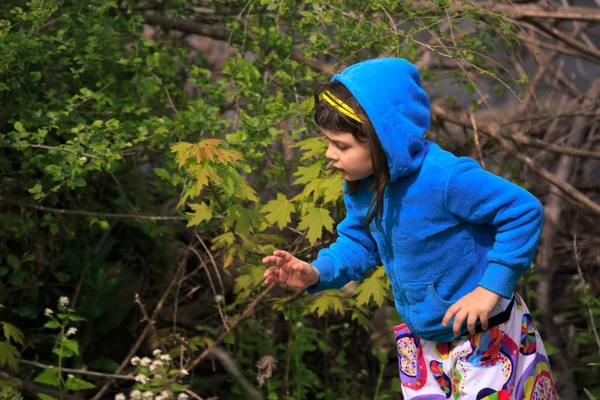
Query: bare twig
{"points": [[78, 371], [90, 213], [180, 268], [577, 257]]}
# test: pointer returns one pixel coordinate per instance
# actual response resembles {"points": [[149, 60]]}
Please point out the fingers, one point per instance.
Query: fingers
{"points": [[471, 321], [458, 321], [449, 314], [301, 267], [483, 318], [284, 255]]}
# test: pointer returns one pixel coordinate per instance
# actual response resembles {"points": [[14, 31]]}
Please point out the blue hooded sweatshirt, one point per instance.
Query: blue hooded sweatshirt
{"points": [[447, 224]]}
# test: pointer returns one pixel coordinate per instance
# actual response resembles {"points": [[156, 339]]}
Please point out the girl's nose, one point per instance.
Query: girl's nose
{"points": [[330, 153]]}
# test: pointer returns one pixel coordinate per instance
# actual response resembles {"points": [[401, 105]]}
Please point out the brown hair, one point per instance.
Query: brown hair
{"points": [[327, 117]]}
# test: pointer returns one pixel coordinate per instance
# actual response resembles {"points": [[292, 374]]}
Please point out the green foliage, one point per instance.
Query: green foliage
{"points": [[99, 127]]}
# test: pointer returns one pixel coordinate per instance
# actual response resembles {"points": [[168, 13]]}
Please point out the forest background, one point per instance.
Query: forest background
{"points": [[152, 152]]}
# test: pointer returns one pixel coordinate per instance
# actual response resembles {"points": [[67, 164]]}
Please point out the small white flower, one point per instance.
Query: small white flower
{"points": [[165, 357], [346, 325], [63, 301], [136, 394], [135, 361], [144, 362], [159, 376], [147, 394], [184, 371], [218, 298], [48, 312], [71, 331], [299, 324], [165, 394], [70, 376], [120, 396], [83, 158], [183, 396], [141, 379], [156, 353], [160, 397], [155, 364]]}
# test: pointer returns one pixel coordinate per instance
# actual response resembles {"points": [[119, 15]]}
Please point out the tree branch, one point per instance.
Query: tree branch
{"points": [[90, 213]]}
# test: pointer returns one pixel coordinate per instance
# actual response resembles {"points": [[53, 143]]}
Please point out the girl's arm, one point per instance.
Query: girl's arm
{"points": [[349, 257], [480, 197]]}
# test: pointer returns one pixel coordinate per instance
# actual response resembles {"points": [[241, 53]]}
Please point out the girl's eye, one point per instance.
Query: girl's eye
{"points": [[342, 148]]}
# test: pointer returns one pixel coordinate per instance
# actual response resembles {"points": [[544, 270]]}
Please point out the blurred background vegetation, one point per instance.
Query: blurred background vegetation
{"points": [[151, 152]]}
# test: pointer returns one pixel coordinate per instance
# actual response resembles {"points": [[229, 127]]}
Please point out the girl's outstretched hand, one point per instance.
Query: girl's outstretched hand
{"points": [[289, 270], [473, 306]]}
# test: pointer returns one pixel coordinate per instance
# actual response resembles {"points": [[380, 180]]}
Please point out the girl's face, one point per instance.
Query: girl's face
{"points": [[349, 156]]}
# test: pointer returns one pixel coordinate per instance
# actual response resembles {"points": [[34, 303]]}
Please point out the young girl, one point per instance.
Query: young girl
{"points": [[453, 238]]}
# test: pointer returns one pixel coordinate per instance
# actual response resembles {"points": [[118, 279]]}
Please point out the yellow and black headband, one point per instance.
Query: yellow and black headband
{"points": [[339, 105]]}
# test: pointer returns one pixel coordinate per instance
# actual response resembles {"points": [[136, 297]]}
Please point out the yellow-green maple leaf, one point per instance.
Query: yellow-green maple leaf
{"points": [[332, 187], [245, 220], [279, 211], [235, 185], [204, 173], [312, 146], [307, 174], [324, 303], [315, 220], [372, 286], [201, 213]]}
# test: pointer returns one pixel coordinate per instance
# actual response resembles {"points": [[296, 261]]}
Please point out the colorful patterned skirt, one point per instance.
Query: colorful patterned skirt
{"points": [[505, 362]]}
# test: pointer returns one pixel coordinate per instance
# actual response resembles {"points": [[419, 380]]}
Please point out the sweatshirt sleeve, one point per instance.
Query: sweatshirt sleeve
{"points": [[349, 258], [480, 197]]}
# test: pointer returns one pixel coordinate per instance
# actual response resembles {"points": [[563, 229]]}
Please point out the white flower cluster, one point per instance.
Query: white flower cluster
{"points": [[149, 369], [139, 395]]}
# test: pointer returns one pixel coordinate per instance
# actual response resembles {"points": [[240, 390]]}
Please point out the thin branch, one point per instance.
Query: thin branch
{"points": [[33, 389], [159, 306], [245, 315], [577, 257], [492, 131], [90, 213], [65, 149], [78, 371]]}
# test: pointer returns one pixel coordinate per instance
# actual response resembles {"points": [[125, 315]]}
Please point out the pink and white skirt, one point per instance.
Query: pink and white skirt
{"points": [[505, 362]]}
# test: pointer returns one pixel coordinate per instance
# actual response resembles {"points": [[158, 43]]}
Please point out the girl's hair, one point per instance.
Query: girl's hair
{"points": [[327, 117]]}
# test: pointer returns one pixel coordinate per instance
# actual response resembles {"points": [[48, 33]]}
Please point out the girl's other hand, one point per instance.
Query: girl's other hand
{"points": [[289, 270], [475, 305]]}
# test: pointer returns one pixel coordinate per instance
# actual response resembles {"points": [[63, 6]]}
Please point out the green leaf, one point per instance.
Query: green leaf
{"points": [[49, 377], [13, 261], [9, 355], [332, 188], [313, 146], [324, 303], [315, 220], [201, 213], [162, 173], [279, 211], [71, 345], [45, 397], [79, 384], [371, 287], [10, 331], [362, 320], [52, 324], [80, 182], [245, 220]]}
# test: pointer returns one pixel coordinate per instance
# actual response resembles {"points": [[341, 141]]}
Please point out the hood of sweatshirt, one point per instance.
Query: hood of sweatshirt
{"points": [[390, 92]]}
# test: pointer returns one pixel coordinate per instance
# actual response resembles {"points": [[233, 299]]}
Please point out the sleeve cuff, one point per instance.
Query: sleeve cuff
{"points": [[325, 266], [500, 279]]}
